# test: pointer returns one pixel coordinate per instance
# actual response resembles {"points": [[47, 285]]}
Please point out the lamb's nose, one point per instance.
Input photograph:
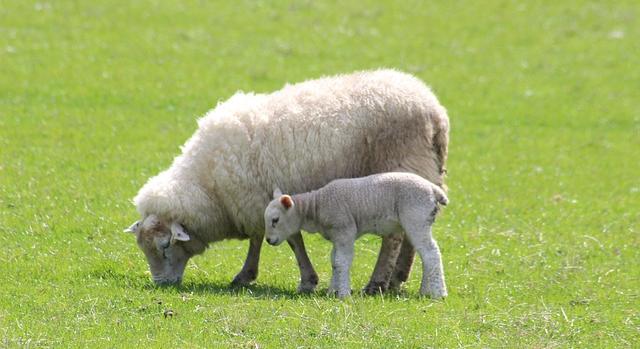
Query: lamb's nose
{"points": [[271, 241]]}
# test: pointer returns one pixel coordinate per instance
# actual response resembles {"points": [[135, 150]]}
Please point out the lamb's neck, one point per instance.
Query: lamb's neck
{"points": [[306, 205]]}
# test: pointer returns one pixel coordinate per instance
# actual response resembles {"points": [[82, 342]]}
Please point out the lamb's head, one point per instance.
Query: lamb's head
{"points": [[281, 220], [163, 244]]}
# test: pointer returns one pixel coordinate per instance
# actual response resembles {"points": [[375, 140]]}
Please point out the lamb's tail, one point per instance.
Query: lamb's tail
{"points": [[441, 197]]}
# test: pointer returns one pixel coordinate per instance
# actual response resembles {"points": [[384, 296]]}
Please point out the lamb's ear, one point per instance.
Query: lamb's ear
{"points": [[134, 228], [277, 192], [178, 233], [286, 201]]}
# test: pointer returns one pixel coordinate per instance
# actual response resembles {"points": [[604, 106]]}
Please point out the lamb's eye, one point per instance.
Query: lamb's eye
{"points": [[275, 221]]}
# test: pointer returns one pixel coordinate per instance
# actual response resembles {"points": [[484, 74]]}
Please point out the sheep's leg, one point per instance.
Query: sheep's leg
{"points": [[341, 258], [433, 283], [308, 276], [403, 265], [249, 271], [385, 264]]}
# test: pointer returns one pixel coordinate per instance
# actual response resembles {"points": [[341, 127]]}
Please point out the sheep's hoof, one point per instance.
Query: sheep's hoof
{"points": [[308, 284], [244, 279], [375, 288], [395, 284], [236, 283], [307, 287]]}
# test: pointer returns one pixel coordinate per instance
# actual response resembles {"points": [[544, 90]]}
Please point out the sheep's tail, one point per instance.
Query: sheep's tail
{"points": [[441, 197], [440, 142]]}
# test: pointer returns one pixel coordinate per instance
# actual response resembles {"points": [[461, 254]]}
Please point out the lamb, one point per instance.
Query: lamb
{"points": [[344, 209], [299, 138]]}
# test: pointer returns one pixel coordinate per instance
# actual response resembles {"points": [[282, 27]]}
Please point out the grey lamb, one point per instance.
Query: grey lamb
{"points": [[345, 209]]}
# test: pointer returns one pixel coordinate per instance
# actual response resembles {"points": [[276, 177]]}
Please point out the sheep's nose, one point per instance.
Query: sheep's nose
{"points": [[271, 241], [167, 282]]}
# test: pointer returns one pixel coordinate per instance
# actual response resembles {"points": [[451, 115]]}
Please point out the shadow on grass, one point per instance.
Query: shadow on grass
{"points": [[261, 291], [141, 281], [253, 290], [205, 287], [119, 278]]}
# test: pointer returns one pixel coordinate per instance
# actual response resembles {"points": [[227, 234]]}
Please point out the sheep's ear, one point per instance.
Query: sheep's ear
{"points": [[277, 193], [286, 201], [178, 233], [134, 228]]}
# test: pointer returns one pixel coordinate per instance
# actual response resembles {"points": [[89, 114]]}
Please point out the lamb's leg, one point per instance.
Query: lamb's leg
{"points": [[333, 285], [308, 276], [341, 258], [403, 265], [433, 283], [249, 271], [429, 165], [385, 264]]}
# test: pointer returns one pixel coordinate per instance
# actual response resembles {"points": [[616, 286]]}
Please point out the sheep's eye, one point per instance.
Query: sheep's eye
{"points": [[275, 221], [165, 245]]}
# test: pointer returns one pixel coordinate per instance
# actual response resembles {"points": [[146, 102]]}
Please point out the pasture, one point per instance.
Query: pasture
{"points": [[540, 241]]}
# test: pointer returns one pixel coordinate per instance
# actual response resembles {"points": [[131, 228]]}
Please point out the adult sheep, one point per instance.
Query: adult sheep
{"points": [[297, 139]]}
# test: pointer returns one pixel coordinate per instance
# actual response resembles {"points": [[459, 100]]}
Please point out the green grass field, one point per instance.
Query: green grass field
{"points": [[541, 241]]}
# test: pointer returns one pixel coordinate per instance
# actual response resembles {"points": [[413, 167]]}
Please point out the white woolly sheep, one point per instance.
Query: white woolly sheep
{"points": [[380, 204], [298, 138]]}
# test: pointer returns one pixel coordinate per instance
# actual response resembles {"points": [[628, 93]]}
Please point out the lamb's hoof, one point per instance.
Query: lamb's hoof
{"points": [[375, 288], [340, 294], [438, 294], [343, 295]]}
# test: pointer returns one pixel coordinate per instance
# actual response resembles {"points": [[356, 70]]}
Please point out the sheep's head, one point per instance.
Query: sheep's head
{"points": [[281, 220], [163, 244]]}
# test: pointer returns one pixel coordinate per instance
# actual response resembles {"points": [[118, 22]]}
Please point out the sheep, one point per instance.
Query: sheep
{"points": [[344, 209], [298, 138]]}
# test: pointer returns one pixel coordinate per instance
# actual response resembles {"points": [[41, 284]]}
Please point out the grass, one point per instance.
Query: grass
{"points": [[541, 241]]}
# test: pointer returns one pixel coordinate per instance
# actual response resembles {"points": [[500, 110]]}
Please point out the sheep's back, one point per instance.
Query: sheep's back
{"points": [[303, 136]]}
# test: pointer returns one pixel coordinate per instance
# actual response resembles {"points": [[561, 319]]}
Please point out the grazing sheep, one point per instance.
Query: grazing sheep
{"points": [[344, 209], [298, 138]]}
